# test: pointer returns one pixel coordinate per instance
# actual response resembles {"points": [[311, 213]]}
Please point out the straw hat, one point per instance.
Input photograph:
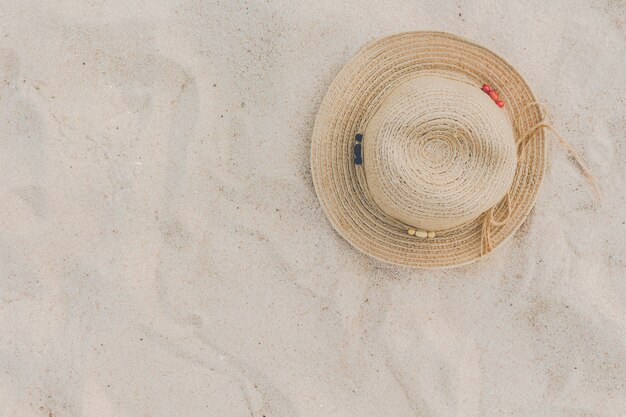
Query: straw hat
{"points": [[415, 162]]}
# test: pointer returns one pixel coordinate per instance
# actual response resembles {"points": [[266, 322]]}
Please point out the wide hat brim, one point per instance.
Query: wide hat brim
{"points": [[351, 100]]}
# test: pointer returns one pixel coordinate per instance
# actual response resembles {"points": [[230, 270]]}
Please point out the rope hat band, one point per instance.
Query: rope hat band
{"points": [[434, 135]]}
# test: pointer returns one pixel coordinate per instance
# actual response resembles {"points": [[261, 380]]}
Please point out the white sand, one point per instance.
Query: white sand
{"points": [[163, 253]]}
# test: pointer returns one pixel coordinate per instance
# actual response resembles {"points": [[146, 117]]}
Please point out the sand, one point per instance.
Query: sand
{"points": [[163, 253]]}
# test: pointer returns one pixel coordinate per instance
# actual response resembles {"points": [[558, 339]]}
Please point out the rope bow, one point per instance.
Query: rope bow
{"points": [[489, 222]]}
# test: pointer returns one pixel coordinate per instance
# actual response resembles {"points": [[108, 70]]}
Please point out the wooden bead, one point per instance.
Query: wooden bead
{"points": [[486, 88], [494, 95], [500, 103], [411, 232], [421, 233], [431, 234]]}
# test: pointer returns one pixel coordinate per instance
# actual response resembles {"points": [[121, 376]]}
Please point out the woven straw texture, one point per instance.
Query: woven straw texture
{"points": [[438, 153], [370, 205]]}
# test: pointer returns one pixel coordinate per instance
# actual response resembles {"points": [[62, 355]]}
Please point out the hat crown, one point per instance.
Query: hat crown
{"points": [[438, 153]]}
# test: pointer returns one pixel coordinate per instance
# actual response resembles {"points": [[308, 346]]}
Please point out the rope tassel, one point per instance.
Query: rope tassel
{"points": [[521, 152], [489, 222]]}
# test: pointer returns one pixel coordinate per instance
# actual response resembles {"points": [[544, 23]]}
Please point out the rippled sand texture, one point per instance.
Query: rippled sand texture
{"points": [[163, 253]]}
